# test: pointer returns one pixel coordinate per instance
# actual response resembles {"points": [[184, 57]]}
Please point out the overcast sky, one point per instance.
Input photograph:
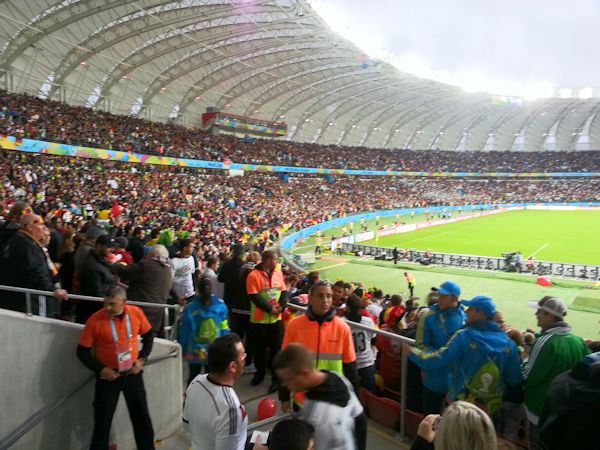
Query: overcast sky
{"points": [[517, 41]]}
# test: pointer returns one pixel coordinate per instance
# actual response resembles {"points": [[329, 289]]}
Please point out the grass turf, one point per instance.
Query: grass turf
{"points": [[561, 236], [511, 292]]}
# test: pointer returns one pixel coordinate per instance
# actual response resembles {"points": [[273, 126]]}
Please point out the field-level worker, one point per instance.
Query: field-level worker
{"points": [[267, 292], [329, 338], [410, 280], [113, 333]]}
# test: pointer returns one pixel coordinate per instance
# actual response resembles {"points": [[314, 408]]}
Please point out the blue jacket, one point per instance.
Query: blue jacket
{"points": [[200, 326], [482, 363], [433, 332]]}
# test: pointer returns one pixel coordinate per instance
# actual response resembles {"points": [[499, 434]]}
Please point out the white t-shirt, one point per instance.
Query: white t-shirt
{"points": [[374, 309], [362, 344], [182, 270], [214, 416], [334, 424]]}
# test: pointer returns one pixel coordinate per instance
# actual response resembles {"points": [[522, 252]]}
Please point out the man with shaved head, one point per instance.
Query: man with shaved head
{"points": [[25, 263]]}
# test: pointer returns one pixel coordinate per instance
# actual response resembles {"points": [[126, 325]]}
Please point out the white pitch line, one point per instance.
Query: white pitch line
{"points": [[539, 249]]}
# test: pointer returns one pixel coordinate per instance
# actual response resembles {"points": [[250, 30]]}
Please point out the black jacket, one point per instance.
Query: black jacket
{"points": [[24, 264], [95, 278], [571, 414], [229, 275]]}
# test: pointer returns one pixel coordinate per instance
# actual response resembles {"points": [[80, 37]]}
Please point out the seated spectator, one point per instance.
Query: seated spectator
{"points": [[290, 434]]}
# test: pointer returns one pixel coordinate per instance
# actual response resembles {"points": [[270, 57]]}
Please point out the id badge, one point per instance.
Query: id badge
{"points": [[124, 360]]}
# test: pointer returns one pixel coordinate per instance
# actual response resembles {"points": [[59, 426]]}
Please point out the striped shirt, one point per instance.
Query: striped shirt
{"points": [[214, 416]]}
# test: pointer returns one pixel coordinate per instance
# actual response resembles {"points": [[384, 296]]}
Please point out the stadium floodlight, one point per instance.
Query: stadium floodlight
{"points": [[565, 93]]}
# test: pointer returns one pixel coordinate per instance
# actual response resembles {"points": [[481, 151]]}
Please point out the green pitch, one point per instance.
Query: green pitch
{"points": [[561, 236]]}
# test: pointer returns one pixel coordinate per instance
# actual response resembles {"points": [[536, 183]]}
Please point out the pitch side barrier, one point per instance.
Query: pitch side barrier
{"points": [[508, 263], [58, 149]]}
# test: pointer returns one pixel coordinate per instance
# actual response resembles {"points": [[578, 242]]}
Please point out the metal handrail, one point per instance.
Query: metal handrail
{"points": [[170, 330], [269, 421], [14, 436], [404, 359]]}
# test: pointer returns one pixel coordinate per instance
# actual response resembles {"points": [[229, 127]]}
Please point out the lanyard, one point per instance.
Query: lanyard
{"points": [[114, 329]]}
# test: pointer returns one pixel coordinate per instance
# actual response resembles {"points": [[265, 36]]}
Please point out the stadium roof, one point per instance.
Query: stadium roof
{"points": [[271, 59]]}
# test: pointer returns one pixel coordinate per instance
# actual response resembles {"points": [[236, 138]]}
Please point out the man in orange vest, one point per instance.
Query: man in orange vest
{"points": [[266, 289], [329, 338]]}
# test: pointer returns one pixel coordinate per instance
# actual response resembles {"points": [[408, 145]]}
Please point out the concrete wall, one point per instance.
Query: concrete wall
{"points": [[38, 366]]}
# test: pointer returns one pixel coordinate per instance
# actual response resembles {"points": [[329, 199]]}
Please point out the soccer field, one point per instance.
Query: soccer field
{"points": [[561, 236]]}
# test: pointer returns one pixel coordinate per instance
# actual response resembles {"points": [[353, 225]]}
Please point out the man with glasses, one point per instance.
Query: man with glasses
{"points": [[212, 412], [25, 263]]}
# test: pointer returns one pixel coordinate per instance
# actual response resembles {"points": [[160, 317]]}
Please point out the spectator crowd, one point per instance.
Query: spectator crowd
{"points": [[30, 117], [200, 240]]}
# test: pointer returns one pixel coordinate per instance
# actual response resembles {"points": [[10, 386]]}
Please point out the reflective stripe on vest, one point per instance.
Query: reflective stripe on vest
{"points": [[270, 295]]}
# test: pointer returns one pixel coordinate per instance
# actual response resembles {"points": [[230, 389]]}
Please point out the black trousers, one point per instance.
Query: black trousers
{"points": [[263, 337], [105, 402], [240, 325], [433, 402]]}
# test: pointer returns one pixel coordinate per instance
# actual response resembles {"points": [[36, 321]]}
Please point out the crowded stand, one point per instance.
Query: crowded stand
{"points": [[24, 116], [201, 239]]}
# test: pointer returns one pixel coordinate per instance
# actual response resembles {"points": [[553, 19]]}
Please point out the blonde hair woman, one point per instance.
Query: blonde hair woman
{"points": [[461, 426]]}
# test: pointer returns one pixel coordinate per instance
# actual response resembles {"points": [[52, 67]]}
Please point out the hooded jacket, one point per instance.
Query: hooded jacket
{"points": [[555, 351], [333, 408], [572, 409], [433, 332], [482, 362], [200, 326]]}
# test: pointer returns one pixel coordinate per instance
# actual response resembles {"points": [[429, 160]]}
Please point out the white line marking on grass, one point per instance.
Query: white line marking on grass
{"points": [[439, 234], [539, 250]]}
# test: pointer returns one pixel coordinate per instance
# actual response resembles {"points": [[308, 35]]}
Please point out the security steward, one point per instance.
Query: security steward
{"points": [[266, 289], [112, 333], [329, 338]]}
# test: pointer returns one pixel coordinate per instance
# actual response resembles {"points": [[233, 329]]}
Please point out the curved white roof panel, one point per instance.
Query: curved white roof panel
{"points": [[271, 59]]}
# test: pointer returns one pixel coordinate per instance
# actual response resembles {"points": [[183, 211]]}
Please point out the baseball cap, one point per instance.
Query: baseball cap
{"points": [[481, 303], [552, 305], [449, 288], [106, 241]]}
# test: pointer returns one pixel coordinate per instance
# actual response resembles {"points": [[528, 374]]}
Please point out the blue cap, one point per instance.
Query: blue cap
{"points": [[449, 288], [482, 303]]}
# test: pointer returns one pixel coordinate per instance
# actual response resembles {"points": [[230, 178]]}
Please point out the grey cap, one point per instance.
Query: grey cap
{"points": [[551, 305], [94, 232]]}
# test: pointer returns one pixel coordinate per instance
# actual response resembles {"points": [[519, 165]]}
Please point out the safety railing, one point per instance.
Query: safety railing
{"points": [[169, 330], [404, 368], [14, 436]]}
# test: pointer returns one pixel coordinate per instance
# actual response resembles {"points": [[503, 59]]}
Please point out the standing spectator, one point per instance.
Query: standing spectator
{"points": [[229, 275], [112, 334], [56, 237], [482, 361], [265, 287], [364, 344], [555, 351], [136, 244], [10, 226], [183, 268], [331, 406], [570, 415], [433, 332], [149, 281], [394, 313], [411, 283], [91, 234], [212, 413], [96, 277], [239, 314], [212, 264], [203, 321], [120, 251], [25, 263]]}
